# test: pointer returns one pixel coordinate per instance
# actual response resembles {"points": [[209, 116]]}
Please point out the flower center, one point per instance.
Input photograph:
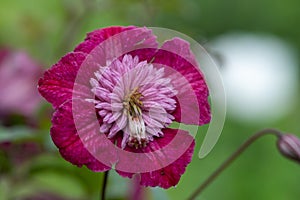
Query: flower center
{"points": [[137, 128], [134, 99]]}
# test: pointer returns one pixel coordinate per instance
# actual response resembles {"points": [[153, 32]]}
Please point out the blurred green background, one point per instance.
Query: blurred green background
{"points": [[47, 29]]}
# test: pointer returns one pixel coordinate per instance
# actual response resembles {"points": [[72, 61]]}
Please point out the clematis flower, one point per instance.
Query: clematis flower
{"points": [[115, 97]]}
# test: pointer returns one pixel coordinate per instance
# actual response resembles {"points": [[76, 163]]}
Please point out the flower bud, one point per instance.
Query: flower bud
{"points": [[289, 146]]}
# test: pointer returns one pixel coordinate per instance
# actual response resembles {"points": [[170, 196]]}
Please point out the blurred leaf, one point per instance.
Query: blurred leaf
{"points": [[15, 133], [58, 183], [4, 188], [90, 181]]}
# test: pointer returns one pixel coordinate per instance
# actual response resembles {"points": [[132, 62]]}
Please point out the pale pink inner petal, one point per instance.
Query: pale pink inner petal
{"points": [[135, 98]]}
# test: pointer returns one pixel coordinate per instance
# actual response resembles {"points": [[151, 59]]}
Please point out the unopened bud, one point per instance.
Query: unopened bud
{"points": [[289, 146]]}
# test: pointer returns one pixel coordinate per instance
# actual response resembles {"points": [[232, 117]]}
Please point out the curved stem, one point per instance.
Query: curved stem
{"points": [[229, 160], [105, 178]]}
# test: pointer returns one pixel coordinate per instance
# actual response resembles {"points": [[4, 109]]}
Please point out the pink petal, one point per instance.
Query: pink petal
{"points": [[176, 54], [144, 54], [169, 175], [112, 43], [79, 149], [56, 86], [94, 38], [127, 39], [192, 98]]}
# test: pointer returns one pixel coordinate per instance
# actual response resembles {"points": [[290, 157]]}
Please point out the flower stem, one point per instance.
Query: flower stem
{"points": [[229, 160], [104, 184]]}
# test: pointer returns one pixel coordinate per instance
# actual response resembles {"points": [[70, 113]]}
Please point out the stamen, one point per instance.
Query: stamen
{"points": [[137, 135]]}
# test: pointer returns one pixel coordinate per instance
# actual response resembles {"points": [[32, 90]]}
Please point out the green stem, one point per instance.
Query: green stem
{"points": [[229, 160], [104, 184]]}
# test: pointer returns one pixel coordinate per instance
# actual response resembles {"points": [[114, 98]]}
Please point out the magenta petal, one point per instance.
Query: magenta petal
{"points": [[127, 39], [176, 54], [65, 135], [111, 43], [179, 62], [94, 38], [169, 175], [56, 86]]}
